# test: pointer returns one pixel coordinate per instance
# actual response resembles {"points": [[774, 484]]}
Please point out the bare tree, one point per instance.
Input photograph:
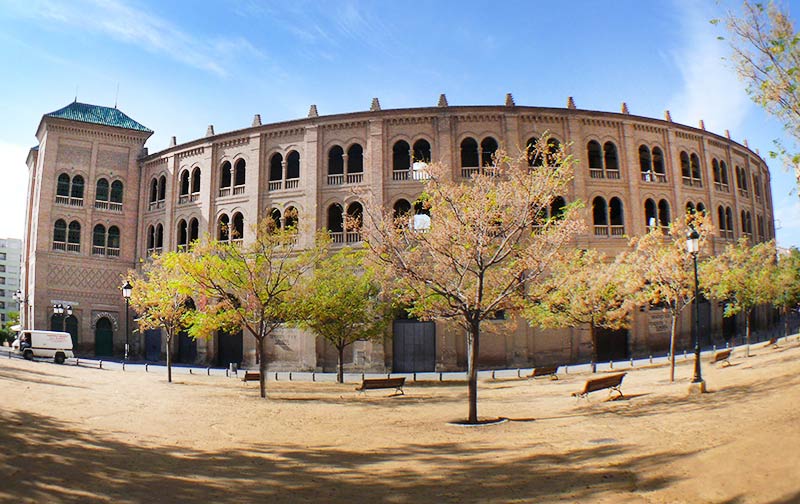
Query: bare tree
{"points": [[486, 243]]}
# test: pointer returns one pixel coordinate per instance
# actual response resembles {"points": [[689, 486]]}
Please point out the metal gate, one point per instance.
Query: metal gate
{"points": [[611, 345], [230, 349], [414, 345], [187, 348], [152, 344]]}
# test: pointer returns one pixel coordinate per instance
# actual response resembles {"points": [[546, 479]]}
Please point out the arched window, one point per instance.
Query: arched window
{"points": [[686, 170], [276, 167], [151, 239], [184, 183], [113, 243], [600, 216], [729, 221], [723, 174], [422, 151], [292, 169], [721, 222], [159, 238], [557, 207], [195, 182], [116, 191], [701, 208], [225, 178], [401, 157], [595, 154], [60, 235], [650, 213], [223, 228], [355, 213], [275, 215], [153, 190], [238, 227], [616, 215], [290, 218], [488, 149], [658, 164], [336, 161], [101, 192], [715, 172], [664, 217], [469, 153], [355, 159], [99, 240], [336, 223], [530, 150], [194, 230], [401, 208], [162, 188], [74, 237], [553, 146], [695, 163], [690, 208], [183, 234], [76, 192], [240, 173], [611, 159], [62, 188], [645, 162]]}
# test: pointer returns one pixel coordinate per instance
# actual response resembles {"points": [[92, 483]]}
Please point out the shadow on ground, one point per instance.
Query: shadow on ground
{"points": [[44, 460]]}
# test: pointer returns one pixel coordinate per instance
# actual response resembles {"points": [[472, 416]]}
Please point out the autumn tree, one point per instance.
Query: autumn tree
{"points": [[585, 289], [666, 269], [766, 53], [160, 298], [341, 302], [785, 285], [486, 242], [740, 277], [247, 285]]}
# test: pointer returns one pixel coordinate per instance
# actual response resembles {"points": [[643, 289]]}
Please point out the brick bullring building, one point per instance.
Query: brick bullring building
{"points": [[99, 204]]}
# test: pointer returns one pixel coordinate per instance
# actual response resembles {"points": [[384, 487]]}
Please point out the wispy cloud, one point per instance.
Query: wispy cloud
{"points": [[125, 22], [711, 91]]}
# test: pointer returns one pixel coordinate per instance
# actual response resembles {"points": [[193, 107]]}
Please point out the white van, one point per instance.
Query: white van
{"points": [[47, 344]]}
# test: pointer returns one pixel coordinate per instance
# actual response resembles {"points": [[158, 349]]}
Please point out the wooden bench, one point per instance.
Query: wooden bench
{"points": [[383, 383], [612, 382], [545, 371], [251, 376], [723, 356]]}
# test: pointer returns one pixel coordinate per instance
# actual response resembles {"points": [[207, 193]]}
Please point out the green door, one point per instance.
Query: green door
{"points": [[103, 337]]}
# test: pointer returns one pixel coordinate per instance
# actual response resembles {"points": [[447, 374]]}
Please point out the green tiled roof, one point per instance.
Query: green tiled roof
{"points": [[96, 114]]}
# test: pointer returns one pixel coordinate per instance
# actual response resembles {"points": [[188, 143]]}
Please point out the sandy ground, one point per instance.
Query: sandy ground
{"points": [[70, 434]]}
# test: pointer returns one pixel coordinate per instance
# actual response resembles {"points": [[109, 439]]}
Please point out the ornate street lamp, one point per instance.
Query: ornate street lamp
{"points": [[127, 290], [693, 247], [58, 310]]}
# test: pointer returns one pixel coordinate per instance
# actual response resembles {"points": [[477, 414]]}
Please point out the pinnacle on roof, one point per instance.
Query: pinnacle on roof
{"points": [[97, 114], [510, 100], [312, 111], [375, 106], [570, 103], [442, 101]]}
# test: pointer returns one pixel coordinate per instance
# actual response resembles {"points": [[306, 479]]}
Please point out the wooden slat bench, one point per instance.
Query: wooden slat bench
{"points": [[723, 356], [545, 371], [612, 382], [383, 383], [251, 376]]}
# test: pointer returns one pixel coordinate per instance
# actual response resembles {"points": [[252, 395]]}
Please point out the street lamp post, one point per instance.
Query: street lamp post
{"points": [[693, 247], [58, 310], [20, 298], [127, 289]]}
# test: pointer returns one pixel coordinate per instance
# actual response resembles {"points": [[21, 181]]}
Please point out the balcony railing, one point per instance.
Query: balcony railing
{"points": [[336, 179], [73, 247], [719, 186], [59, 246], [239, 189], [605, 230], [617, 230], [601, 230], [612, 174], [183, 198], [194, 196], [469, 171], [69, 201], [692, 182], [744, 193], [108, 205], [355, 178], [292, 183], [341, 237], [596, 173], [155, 205], [224, 191], [337, 237], [275, 185], [401, 175]]}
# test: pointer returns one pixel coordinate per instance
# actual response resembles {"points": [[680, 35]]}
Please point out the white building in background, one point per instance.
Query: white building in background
{"points": [[10, 262]]}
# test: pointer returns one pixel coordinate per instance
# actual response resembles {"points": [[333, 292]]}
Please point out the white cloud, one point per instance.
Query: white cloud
{"points": [[13, 190], [711, 90], [127, 23]]}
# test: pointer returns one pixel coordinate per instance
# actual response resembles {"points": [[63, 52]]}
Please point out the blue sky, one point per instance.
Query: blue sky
{"points": [[183, 65]]}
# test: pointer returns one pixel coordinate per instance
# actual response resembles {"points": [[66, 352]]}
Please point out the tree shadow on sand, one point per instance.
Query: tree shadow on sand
{"points": [[46, 460]]}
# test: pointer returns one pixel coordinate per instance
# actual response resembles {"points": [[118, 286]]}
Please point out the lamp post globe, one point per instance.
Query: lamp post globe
{"points": [[127, 290]]}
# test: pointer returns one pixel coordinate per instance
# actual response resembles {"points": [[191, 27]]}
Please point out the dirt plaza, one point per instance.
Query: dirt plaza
{"points": [[73, 434]]}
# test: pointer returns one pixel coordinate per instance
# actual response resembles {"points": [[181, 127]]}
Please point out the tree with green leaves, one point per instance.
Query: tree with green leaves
{"points": [[666, 270], [6, 334], [159, 297], [486, 243], [341, 301], [585, 289], [766, 53], [247, 285], [786, 285], [740, 277]]}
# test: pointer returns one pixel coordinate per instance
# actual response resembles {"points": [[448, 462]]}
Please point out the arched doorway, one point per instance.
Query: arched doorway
{"points": [[104, 337], [152, 344], [230, 349], [71, 326]]}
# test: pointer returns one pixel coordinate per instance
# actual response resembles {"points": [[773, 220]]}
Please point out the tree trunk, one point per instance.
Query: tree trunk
{"points": [[473, 346], [747, 334], [262, 366], [340, 366], [169, 358], [672, 348], [593, 337]]}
